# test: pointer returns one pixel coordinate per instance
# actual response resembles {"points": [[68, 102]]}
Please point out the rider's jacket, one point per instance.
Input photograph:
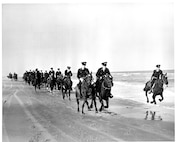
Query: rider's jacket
{"points": [[58, 73], [101, 72], [157, 74], [82, 72], [68, 73], [52, 72]]}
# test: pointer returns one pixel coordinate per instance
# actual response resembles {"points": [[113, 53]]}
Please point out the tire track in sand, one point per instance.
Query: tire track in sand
{"points": [[40, 127]]}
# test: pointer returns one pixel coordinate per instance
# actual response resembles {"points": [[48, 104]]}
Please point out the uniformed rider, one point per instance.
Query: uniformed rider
{"points": [[82, 72], [100, 74], [68, 73], [157, 74]]}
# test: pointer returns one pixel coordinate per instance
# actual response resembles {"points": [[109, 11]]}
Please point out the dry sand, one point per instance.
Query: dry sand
{"points": [[30, 116]]}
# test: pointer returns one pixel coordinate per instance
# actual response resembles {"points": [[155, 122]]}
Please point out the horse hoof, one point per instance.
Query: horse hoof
{"points": [[83, 113], [160, 100], [147, 101], [152, 102], [96, 111]]}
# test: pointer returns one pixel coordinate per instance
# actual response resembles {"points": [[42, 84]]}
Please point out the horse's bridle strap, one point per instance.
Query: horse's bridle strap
{"points": [[106, 88]]}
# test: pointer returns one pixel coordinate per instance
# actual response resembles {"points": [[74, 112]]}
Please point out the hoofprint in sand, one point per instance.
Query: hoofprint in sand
{"points": [[41, 117]]}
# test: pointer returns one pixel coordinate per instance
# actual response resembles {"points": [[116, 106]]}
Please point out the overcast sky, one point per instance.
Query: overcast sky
{"points": [[129, 36]]}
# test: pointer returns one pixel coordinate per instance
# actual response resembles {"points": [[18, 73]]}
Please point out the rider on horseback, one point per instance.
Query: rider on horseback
{"points": [[101, 73], [58, 72], [68, 74], [157, 74], [82, 72]]}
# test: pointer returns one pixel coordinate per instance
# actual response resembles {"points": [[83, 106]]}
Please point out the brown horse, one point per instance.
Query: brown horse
{"points": [[157, 88], [66, 86], [104, 91], [87, 91]]}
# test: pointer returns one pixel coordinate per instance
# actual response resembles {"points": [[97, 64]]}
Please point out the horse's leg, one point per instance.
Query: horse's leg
{"points": [[94, 100], [87, 105], [153, 97], [69, 94], [63, 93], [66, 92], [77, 104], [91, 104], [107, 103], [101, 102], [161, 97], [102, 105], [83, 107], [147, 96]]}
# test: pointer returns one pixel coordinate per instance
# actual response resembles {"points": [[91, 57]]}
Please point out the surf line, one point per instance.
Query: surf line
{"points": [[47, 135]]}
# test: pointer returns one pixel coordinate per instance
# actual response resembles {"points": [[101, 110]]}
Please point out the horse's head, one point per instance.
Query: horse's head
{"points": [[165, 79], [108, 81], [88, 79]]}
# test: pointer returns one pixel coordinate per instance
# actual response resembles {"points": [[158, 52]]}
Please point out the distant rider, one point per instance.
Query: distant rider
{"points": [[68, 74]]}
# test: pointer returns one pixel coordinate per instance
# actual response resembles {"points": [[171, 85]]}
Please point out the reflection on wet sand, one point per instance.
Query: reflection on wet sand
{"points": [[151, 115]]}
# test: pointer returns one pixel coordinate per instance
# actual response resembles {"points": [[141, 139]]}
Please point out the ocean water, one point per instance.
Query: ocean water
{"points": [[129, 85]]}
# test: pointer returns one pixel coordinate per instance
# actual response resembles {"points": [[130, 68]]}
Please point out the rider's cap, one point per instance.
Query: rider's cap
{"points": [[68, 67], [58, 68], [158, 66], [51, 68], [84, 63], [104, 63]]}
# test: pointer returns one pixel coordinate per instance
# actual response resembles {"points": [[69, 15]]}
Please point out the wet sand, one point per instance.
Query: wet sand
{"points": [[30, 116]]}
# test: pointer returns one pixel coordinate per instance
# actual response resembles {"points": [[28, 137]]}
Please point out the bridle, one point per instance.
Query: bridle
{"points": [[106, 88]]}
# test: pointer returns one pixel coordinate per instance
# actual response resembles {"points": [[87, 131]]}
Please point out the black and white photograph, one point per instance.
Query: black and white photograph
{"points": [[88, 71]]}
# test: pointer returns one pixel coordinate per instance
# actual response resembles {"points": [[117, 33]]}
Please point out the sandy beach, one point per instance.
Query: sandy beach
{"points": [[30, 116]]}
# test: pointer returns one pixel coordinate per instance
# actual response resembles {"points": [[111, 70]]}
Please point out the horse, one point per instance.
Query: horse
{"points": [[51, 82], [36, 83], [103, 89], [59, 81], [157, 88], [37, 80], [66, 86], [15, 77], [87, 90]]}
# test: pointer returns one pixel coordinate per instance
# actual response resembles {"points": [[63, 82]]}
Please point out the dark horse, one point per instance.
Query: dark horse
{"points": [[36, 83], [59, 81], [66, 86], [157, 88], [87, 91], [104, 91]]}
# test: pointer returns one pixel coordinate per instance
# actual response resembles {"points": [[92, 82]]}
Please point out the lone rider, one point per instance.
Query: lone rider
{"points": [[157, 74], [82, 72], [100, 74]]}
